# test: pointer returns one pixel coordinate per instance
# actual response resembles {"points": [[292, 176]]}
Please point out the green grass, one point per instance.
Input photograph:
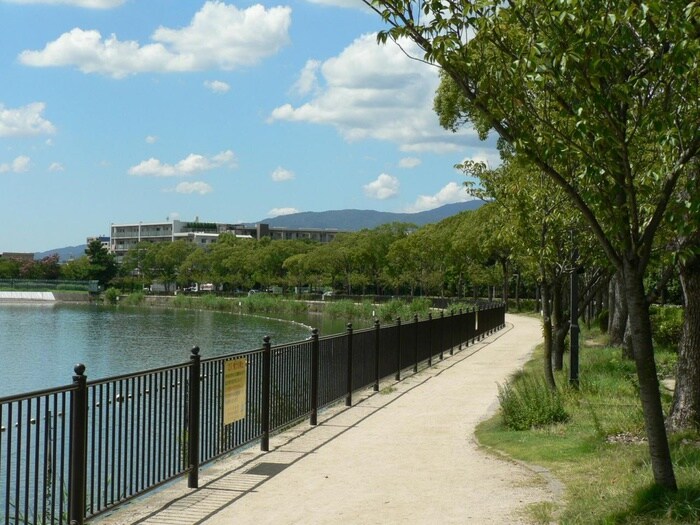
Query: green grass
{"points": [[600, 452]]}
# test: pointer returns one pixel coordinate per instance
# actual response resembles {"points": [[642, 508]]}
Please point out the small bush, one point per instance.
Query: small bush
{"points": [[134, 299], [111, 295], [667, 325], [603, 320], [389, 311], [528, 403]]}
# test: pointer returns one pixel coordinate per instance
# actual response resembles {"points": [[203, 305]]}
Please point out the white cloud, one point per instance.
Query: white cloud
{"points": [[151, 139], [191, 164], [373, 91], [384, 187], [216, 86], [90, 4], [24, 121], [449, 194], [56, 166], [409, 162], [492, 158], [308, 78], [193, 187], [357, 4], [219, 36], [276, 212], [282, 175], [21, 164]]}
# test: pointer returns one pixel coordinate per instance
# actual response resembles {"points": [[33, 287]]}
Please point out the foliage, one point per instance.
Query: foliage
{"points": [[599, 452], [133, 299], [667, 325], [111, 295], [101, 264], [603, 320], [348, 310], [528, 402], [603, 98]]}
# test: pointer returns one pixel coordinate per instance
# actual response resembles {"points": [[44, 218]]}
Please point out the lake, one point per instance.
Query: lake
{"points": [[41, 343]]}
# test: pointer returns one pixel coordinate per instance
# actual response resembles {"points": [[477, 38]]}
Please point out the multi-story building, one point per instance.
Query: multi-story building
{"points": [[17, 256], [124, 237]]}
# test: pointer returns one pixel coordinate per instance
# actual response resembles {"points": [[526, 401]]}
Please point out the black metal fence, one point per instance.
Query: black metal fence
{"points": [[70, 453]]}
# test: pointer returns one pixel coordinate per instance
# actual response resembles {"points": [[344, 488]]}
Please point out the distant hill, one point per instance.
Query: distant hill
{"points": [[348, 220], [64, 254], [353, 220]]}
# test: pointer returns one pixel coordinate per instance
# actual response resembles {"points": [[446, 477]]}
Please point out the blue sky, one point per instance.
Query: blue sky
{"points": [[142, 110]]}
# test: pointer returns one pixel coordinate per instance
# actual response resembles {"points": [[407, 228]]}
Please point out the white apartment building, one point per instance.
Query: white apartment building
{"points": [[124, 237]]}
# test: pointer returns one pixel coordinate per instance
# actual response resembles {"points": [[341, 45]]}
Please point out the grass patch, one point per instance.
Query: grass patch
{"points": [[600, 452]]}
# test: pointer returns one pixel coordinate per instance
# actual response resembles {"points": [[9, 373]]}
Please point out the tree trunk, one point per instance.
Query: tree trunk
{"points": [[618, 312], [627, 345], [685, 410], [661, 464]]}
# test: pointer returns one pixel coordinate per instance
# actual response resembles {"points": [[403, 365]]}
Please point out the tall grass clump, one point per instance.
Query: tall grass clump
{"points": [[134, 299], [389, 311], [347, 309], [527, 402], [264, 303]]}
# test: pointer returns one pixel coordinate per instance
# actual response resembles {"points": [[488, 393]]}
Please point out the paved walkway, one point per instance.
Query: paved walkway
{"points": [[404, 455]]}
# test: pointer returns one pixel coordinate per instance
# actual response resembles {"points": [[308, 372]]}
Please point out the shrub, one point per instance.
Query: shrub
{"points": [[348, 310], [111, 295], [389, 311], [134, 299], [603, 320], [528, 402], [667, 325]]}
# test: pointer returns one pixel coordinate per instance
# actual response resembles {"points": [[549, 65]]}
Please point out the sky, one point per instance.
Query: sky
{"points": [[121, 111]]}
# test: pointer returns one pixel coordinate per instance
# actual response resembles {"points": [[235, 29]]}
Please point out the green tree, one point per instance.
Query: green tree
{"points": [[603, 98], [102, 265], [9, 268], [77, 269]]}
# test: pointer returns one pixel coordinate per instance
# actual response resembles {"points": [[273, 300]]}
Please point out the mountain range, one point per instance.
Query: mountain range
{"points": [[345, 220], [354, 220]]}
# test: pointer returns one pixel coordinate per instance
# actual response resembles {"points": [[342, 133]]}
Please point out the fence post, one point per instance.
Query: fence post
{"points": [[453, 332], [442, 335], [78, 448], [348, 395], [376, 355], [463, 334], [314, 376], [430, 339], [398, 349], [415, 343], [265, 408], [193, 420], [477, 322]]}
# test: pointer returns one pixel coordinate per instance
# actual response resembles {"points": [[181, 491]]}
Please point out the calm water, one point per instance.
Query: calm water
{"points": [[40, 344]]}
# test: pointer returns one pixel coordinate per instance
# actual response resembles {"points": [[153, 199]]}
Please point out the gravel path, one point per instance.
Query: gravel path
{"points": [[404, 455]]}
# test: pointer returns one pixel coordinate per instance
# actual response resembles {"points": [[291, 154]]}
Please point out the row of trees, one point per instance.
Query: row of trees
{"points": [[457, 257], [97, 264], [595, 104]]}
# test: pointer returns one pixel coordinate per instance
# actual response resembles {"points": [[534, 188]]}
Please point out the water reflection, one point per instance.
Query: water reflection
{"points": [[39, 345]]}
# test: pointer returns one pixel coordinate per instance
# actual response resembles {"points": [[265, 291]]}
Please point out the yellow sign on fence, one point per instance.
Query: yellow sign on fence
{"points": [[235, 379]]}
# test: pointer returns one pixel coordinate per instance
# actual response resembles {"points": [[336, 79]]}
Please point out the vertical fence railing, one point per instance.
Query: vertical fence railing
{"points": [[73, 452]]}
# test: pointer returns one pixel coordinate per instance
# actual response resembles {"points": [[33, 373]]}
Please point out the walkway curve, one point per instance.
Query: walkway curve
{"points": [[404, 455]]}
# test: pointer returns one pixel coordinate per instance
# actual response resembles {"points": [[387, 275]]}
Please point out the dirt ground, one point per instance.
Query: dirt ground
{"points": [[404, 455]]}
